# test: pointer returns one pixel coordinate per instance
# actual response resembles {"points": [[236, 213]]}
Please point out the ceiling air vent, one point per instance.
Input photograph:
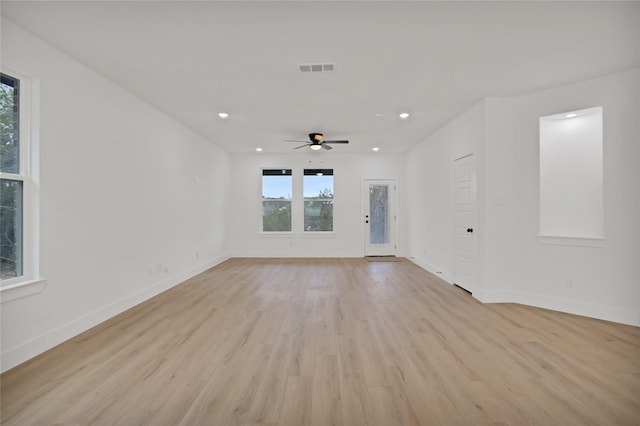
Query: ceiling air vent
{"points": [[316, 67]]}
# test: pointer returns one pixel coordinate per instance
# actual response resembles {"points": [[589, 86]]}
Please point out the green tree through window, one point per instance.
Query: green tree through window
{"points": [[11, 184], [318, 200], [276, 200]]}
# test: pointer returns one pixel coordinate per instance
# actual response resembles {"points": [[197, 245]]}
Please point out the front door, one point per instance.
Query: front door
{"points": [[379, 217]]}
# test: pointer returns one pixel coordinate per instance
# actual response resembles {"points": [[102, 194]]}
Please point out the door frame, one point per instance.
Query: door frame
{"points": [[393, 227]]}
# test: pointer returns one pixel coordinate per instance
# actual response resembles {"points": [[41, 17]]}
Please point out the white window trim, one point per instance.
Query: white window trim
{"points": [[31, 281], [319, 234], [315, 234], [276, 234]]}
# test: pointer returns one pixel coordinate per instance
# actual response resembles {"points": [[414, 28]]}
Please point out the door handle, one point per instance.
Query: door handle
{"points": [[470, 230]]}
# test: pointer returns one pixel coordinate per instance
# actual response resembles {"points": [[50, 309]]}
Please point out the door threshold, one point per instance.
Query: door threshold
{"points": [[383, 258]]}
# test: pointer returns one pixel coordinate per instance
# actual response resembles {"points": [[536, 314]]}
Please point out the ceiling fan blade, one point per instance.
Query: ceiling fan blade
{"points": [[335, 142], [302, 146], [295, 140], [325, 146]]}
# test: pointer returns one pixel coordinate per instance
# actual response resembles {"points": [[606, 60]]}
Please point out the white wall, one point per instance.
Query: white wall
{"points": [[512, 266], [347, 240], [603, 280], [121, 213], [429, 176]]}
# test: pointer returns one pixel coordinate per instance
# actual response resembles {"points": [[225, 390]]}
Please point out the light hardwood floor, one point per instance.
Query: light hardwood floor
{"points": [[331, 342]]}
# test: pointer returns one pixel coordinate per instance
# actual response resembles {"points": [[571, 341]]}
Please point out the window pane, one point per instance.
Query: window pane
{"points": [[318, 200], [276, 216], [276, 200], [9, 125], [10, 229], [379, 212]]}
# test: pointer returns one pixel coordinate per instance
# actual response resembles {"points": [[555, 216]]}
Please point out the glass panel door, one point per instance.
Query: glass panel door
{"points": [[379, 214], [379, 217]]}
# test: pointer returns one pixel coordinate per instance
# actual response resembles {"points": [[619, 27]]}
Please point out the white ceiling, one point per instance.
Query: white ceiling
{"points": [[192, 60]]}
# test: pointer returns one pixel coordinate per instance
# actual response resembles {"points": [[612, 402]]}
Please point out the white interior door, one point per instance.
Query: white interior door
{"points": [[464, 188], [379, 217]]}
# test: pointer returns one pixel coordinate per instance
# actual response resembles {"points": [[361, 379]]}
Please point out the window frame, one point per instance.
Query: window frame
{"points": [[291, 204], [312, 172], [28, 110]]}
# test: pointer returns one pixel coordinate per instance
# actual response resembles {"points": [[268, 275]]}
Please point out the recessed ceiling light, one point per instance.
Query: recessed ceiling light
{"points": [[378, 115], [404, 115], [259, 149], [571, 115], [375, 148], [223, 115]]}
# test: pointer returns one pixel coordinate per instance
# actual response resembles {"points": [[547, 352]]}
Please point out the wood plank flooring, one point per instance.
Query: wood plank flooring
{"points": [[330, 342]]}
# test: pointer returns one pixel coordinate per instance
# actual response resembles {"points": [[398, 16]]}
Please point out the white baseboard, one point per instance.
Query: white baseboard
{"points": [[296, 255], [438, 272], [591, 310], [19, 354]]}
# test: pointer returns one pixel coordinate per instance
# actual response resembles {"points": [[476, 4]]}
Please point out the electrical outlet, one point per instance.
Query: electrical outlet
{"points": [[569, 283]]}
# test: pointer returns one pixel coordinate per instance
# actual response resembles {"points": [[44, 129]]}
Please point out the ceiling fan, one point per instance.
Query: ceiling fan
{"points": [[316, 141]]}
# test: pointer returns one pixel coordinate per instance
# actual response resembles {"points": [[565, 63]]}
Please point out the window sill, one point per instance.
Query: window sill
{"points": [[21, 289], [319, 234], [304, 234], [571, 241], [275, 234]]}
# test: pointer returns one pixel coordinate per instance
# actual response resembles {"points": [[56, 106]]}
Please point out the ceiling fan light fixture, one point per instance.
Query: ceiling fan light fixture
{"points": [[317, 142], [223, 115]]}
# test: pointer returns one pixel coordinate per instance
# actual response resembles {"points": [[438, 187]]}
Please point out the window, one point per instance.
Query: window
{"points": [[18, 233], [571, 175], [11, 185], [318, 200], [276, 200]]}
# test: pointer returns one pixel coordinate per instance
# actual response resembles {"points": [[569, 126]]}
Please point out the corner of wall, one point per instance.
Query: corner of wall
{"points": [[432, 269]]}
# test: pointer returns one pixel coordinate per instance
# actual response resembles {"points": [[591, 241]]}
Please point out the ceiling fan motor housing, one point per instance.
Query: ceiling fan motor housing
{"points": [[315, 137]]}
